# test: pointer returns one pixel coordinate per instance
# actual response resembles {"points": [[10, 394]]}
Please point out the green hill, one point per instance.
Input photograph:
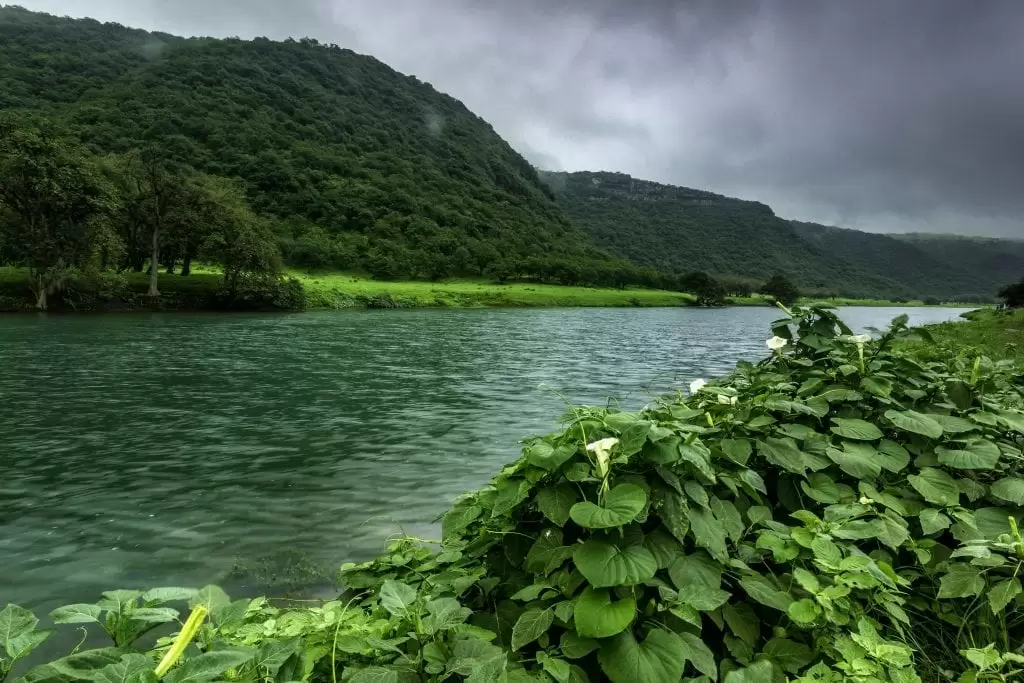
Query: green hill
{"points": [[679, 229], [358, 165]]}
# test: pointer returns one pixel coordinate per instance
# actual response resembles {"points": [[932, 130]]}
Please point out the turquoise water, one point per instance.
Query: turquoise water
{"points": [[261, 451]]}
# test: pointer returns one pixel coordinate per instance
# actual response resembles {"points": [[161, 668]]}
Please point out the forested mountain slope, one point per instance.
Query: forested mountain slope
{"points": [[681, 229], [391, 172]]}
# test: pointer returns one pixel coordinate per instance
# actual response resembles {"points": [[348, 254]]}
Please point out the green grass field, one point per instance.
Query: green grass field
{"points": [[996, 334], [335, 291]]}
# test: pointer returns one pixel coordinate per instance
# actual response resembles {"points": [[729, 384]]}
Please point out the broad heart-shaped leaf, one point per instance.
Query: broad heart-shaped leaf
{"points": [[596, 616], [743, 622], [547, 553], [933, 521], [766, 592], [213, 598], [1001, 594], [916, 423], [575, 646], [858, 430], [459, 517], [784, 453], [977, 454], [892, 456], [1009, 488], [531, 625], [396, 597], [621, 506], [857, 459], [699, 655], [698, 580], [661, 658], [788, 654], [81, 613], [962, 581], [879, 386], [555, 502], [19, 647], [131, 668], [737, 450], [936, 486], [209, 665], [15, 621], [76, 667], [759, 672], [543, 455], [665, 548], [606, 565]]}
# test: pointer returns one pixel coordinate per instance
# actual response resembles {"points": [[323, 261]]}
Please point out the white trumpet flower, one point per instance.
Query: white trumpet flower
{"points": [[776, 343], [696, 385]]}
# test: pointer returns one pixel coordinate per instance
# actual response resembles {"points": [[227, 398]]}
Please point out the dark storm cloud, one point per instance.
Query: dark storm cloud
{"points": [[879, 114]]}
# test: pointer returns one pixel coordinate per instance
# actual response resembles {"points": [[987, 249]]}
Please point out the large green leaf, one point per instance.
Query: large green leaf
{"points": [[606, 565], [708, 532], [621, 505], [19, 647], [976, 454], [699, 655], [758, 672], [396, 597], [76, 667], [665, 548], [458, 518], [962, 581], [936, 486], [80, 613], [554, 502], [661, 658], [914, 422], [1009, 488], [743, 622], [892, 456], [542, 454], [784, 453], [698, 580], [859, 460], [1001, 594], [766, 592], [15, 621], [858, 430], [789, 655], [576, 646], [531, 625], [209, 665], [737, 450], [547, 553], [131, 668], [596, 616]]}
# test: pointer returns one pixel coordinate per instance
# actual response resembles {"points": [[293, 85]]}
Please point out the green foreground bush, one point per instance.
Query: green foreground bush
{"points": [[841, 511]]}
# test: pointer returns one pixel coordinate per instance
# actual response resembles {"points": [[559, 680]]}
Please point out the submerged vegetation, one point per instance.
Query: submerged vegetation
{"points": [[847, 509]]}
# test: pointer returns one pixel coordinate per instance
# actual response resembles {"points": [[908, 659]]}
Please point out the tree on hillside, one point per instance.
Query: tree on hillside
{"points": [[782, 289], [55, 199], [241, 242], [707, 290], [1013, 295]]}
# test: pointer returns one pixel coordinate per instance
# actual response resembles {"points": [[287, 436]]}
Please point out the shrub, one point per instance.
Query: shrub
{"points": [[841, 511]]}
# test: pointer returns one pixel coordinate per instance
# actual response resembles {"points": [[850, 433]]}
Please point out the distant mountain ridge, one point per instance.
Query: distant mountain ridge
{"points": [[683, 229]]}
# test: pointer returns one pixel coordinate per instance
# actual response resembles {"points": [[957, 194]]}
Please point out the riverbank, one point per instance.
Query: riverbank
{"points": [[996, 334], [599, 552], [342, 291]]}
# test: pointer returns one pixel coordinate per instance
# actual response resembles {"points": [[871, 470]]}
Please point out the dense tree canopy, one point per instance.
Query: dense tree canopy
{"points": [[1013, 295], [678, 229]]}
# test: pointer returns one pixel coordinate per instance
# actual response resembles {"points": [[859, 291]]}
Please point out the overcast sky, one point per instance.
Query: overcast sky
{"points": [[885, 115]]}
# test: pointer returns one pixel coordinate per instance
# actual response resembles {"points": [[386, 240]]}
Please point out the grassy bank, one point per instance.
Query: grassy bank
{"points": [[996, 334], [339, 291]]}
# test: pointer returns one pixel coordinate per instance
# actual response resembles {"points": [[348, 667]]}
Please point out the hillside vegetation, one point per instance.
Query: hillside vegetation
{"points": [[679, 229], [356, 165]]}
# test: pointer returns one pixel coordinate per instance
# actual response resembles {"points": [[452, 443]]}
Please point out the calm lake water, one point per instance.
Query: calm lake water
{"points": [[185, 449]]}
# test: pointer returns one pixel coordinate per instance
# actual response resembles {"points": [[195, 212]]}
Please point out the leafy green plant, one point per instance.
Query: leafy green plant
{"points": [[841, 511]]}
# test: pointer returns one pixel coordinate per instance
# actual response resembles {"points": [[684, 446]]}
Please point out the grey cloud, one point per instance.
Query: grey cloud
{"points": [[877, 114]]}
